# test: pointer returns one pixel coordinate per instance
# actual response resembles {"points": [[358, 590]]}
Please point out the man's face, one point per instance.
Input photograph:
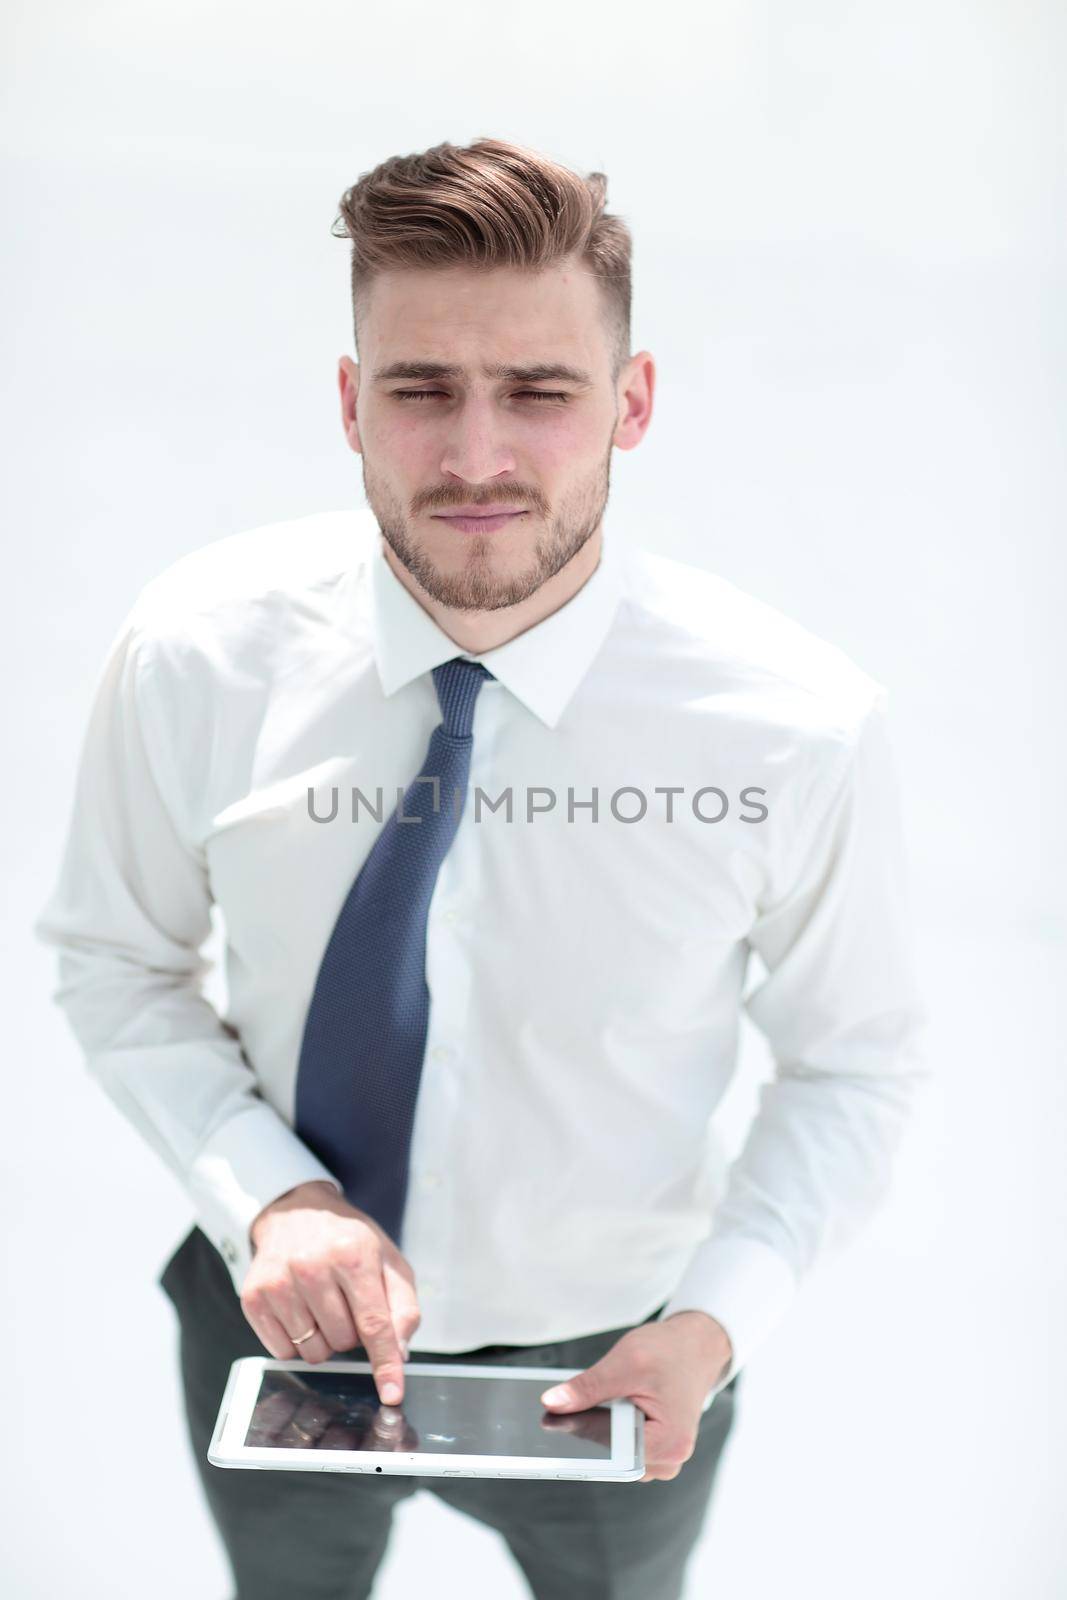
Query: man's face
{"points": [[540, 447]]}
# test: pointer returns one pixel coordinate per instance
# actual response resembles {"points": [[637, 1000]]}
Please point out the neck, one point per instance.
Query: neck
{"points": [[478, 631]]}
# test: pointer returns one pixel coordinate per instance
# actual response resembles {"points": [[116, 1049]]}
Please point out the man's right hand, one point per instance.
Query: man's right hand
{"points": [[321, 1263]]}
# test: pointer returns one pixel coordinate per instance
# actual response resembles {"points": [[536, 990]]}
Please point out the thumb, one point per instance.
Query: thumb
{"points": [[403, 1305], [598, 1382]]}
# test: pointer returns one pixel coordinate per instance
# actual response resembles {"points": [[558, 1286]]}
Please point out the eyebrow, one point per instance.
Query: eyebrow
{"points": [[541, 372]]}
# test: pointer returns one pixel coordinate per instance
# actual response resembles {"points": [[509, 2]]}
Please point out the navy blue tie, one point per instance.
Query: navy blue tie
{"points": [[365, 1033]]}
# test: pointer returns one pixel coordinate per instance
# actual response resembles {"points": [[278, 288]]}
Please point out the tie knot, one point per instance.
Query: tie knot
{"points": [[457, 683]]}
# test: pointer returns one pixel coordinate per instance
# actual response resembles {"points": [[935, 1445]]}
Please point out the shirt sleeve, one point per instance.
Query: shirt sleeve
{"points": [[128, 915], [841, 1009]]}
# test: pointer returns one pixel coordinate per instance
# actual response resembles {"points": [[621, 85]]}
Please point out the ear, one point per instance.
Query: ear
{"points": [[348, 385]]}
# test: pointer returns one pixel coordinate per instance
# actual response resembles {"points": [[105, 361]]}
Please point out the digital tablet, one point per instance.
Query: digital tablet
{"points": [[455, 1421]]}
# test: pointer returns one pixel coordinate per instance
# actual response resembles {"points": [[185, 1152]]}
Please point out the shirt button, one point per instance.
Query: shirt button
{"points": [[427, 1289], [451, 915], [431, 1179], [229, 1250], [440, 1052]]}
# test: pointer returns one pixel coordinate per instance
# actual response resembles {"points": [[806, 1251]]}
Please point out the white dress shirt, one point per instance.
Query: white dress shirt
{"points": [[586, 975]]}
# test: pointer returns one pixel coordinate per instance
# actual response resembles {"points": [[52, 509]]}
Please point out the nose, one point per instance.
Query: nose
{"points": [[476, 448]]}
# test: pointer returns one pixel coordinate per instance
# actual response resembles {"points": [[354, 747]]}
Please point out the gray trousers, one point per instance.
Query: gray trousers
{"points": [[321, 1536]]}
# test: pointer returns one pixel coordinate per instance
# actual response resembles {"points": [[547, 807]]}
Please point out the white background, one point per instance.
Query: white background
{"points": [[849, 267]]}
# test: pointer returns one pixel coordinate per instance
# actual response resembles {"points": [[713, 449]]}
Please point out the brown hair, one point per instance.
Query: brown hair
{"points": [[487, 204]]}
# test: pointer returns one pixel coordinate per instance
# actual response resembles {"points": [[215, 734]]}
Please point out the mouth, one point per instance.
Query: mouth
{"points": [[480, 524]]}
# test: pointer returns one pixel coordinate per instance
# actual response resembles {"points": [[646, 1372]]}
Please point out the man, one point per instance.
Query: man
{"points": [[460, 1102]]}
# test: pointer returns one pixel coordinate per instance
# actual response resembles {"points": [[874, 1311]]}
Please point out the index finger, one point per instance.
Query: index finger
{"points": [[365, 1292]]}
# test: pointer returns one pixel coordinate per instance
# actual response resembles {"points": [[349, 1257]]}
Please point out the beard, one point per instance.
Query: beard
{"points": [[478, 586]]}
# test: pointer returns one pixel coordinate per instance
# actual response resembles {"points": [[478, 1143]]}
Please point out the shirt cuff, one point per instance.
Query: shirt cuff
{"points": [[745, 1285], [252, 1159]]}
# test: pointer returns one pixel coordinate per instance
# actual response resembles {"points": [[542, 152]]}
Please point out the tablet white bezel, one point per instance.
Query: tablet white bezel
{"points": [[625, 1464]]}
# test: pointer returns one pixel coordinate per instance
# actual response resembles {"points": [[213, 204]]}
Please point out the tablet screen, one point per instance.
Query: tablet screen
{"points": [[444, 1415]]}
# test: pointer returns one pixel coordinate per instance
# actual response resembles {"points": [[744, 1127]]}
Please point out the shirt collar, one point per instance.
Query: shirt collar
{"points": [[542, 667]]}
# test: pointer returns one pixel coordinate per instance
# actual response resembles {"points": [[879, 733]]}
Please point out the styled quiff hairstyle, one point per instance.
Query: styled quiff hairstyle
{"points": [[488, 204]]}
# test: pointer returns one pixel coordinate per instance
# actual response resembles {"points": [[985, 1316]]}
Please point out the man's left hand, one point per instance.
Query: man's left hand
{"points": [[666, 1368]]}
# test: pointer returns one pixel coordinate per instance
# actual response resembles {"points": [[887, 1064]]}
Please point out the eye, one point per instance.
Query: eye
{"points": [[430, 394]]}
